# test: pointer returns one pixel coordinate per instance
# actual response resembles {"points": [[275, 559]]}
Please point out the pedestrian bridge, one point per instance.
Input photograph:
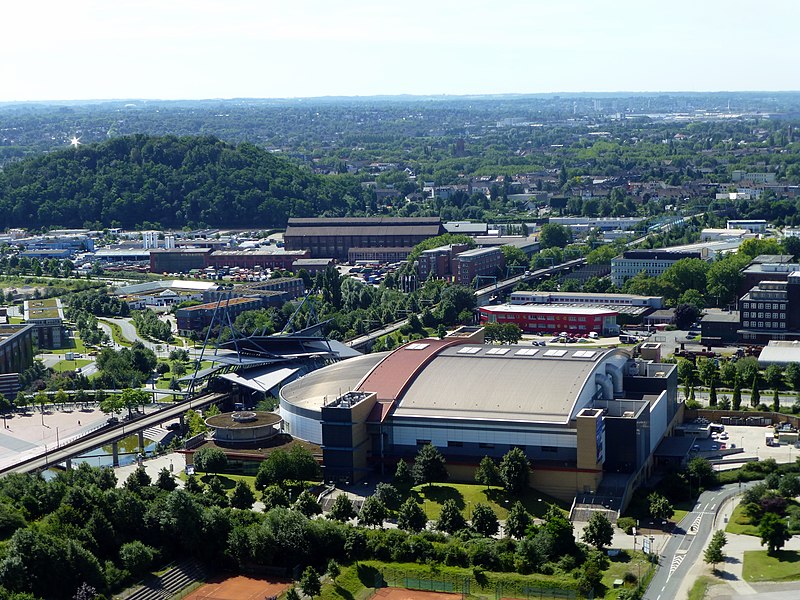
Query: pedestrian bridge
{"points": [[107, 434]]}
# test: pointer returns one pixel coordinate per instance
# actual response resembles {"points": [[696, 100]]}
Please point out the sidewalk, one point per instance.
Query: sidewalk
{"points": [[173, 462], [729, 583]]}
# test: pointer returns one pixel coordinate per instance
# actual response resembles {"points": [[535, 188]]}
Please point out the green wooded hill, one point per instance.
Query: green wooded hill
{"points": [[170, 181]]}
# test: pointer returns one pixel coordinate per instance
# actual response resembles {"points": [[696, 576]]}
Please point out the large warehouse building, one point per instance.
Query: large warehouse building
{"points": [[335, 237], [473, 400]]}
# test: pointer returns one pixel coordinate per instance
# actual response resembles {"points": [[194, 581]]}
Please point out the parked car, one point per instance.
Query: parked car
{"points": [[112, 421]]}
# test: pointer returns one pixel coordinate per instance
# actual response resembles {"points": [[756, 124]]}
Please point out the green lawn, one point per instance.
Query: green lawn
{"points": [[468, 495], [759, 566], [356, 581], [700, 588], [70, 365], [75, 345], [228, 481], [739, 523], [625, 562]]}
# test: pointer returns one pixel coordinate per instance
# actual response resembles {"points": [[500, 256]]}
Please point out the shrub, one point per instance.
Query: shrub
{"points": [[626, 524]]}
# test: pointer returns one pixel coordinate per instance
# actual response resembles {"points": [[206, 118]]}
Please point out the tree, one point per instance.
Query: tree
{"points": [[310, 583], [776, 400], [659, 507], [773, 375], [137, 557], [450, 518], [333, 569], [373, 512], [773, 531], [515, 471], [554, 235], [712, 394], [598, 531], [403, 477], [411, 517], [307, 504], [165, 481], [429, 465], [487, 473], [484, 521], [342, 509], [792, 375], [755, 394], [713, 555], [210, 460], [737, 395], [702, 471], [560, 531], [273, 496], [388, 494], [685, 315], [291, 594], [242, 496], [518, 521]]}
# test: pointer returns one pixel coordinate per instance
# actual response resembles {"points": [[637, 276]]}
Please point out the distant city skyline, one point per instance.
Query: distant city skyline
{"points": [[182, 49]]}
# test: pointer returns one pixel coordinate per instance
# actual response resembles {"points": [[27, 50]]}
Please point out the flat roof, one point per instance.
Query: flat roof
{"points": [[547, 309], [721, 317], [509, 383], [222, 303], [47, 308]]}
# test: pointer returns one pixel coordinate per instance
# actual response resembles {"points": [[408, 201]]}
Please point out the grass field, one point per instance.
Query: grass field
{"points": [[70, 365], [467, 496], [739, 523], [625, 562], [760, 566], [73, 345], [700, 588]]}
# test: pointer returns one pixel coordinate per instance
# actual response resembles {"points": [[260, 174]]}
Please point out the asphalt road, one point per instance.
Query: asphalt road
{"points": [[688, 542]]}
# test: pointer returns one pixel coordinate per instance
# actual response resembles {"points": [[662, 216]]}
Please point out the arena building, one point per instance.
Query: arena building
{"points": [[470, 400]]}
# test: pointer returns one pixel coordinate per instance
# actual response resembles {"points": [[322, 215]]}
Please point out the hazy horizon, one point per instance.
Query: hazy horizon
{"points": [[92, 50]]}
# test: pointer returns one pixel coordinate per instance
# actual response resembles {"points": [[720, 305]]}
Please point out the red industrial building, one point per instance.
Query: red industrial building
{"points": [[546, 319]]}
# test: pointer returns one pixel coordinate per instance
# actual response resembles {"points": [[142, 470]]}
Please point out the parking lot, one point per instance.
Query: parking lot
{"points": [[752, 441]]}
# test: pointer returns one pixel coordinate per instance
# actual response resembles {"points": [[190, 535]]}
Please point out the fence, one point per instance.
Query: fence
{"points": [[467, 585]]}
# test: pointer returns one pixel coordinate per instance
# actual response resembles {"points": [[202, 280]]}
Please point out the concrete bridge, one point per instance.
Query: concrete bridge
{"points": [[107, 434]]}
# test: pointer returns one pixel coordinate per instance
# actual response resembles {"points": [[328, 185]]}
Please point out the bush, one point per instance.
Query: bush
{"points": [[626, 524], [630, 578]]}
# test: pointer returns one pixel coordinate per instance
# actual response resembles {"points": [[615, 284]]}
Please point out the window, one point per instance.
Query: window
{"points": [[551, 449], [486, 446], [454, 444], [423, 442]]}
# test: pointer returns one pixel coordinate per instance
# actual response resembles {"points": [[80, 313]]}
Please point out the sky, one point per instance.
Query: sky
{"points": [[197, 49]]}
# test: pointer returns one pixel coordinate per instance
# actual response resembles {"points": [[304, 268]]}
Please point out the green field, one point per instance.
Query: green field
{"points": [[760, 566], [739, 523], [700, 588], [70, 345], [468, 495], [70, 365], [626, 561]]}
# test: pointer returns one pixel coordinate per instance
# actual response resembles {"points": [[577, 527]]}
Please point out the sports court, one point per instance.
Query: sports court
{"points": [[240, 588], [393, 593]]}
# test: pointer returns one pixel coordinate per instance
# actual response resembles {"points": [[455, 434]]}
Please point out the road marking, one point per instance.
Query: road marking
{"points": [[658, 597], [676, 562], [663, 588], [696, 525], [713, 507]]}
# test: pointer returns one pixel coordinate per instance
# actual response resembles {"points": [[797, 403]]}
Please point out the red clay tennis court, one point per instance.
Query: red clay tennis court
{"points": [[392, 593], [239, 588]]}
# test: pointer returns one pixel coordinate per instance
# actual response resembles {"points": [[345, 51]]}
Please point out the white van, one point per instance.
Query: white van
{"points": [[593, 335]]}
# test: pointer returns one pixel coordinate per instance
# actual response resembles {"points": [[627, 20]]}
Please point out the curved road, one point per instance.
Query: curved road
{"points": [[688, 542]]}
